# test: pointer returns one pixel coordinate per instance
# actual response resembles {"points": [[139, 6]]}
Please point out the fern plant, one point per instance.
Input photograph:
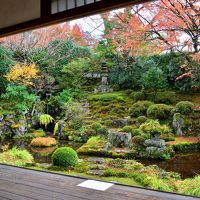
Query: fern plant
{"points": [[46, 119], [56, 128]]}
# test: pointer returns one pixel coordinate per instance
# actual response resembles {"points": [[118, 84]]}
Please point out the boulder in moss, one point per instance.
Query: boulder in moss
{"points": [[43, 142]]}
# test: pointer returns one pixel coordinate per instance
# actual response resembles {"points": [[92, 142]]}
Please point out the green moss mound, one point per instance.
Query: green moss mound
{"points": [[140, 108], [159, 111], [65, 157], [184, 107]]}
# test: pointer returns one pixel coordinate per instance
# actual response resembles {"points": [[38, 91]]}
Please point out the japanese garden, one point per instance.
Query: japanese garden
{"points": [[122, 105]]}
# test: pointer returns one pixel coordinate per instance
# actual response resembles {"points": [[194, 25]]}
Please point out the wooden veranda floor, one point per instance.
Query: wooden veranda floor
{"points": [[23, 184]]}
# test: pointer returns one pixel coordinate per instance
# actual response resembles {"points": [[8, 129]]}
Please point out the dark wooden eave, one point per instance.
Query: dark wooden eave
{"points": [[48, 19]]}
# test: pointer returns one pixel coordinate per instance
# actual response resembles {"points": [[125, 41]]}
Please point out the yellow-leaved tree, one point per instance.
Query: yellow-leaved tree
{"points": [[23, 74]]}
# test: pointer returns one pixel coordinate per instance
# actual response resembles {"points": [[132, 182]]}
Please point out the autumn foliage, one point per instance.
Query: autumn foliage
{"points": [[157, 26], [23, 74]]}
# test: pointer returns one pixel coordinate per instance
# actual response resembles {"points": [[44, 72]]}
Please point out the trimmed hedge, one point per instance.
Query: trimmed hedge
{"points": [[159, 111], [140, 108], [65, 157], [184, 107]]}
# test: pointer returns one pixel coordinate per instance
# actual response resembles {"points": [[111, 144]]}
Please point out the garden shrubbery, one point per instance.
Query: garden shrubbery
{"points": [[138, 96], [138, 141], [140, 108], [159, 111], [65, 157], [184, 107], [38, 133], [141, 119], [127, 129], [95, 126], [165, 97], [17, 157], [153, 127]]}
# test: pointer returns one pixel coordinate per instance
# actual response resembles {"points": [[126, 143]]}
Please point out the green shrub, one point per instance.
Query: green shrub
{"points": [[159, 111], [108, 122], [17, 157], [186, 146], [127, 129], [140, 120], [184, 107], [38, 133], [26, 136], [140, 108], [102, 131], [190, 186], [138, 141], [136, 132], [166, 97], [65, 157], [153, 127], [96, 126], [138, 96], [167, 137]]}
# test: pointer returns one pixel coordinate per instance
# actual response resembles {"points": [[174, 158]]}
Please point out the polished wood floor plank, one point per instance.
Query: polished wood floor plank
{"points": [[24, 184]]}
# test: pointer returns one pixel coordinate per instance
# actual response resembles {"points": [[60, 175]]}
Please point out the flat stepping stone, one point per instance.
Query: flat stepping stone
{"points": [[45, 165], [95, 172], [122, 150], [96, 160], [97, 166]]}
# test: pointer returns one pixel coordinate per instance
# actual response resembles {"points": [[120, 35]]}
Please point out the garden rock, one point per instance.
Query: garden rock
{"points": [[119, 123], [96, 160], [96, 172], [19, 131], [107, 146], [97, 166], [155, 143], [120, 139], [155, 146], [45, 165], [178, 124]]}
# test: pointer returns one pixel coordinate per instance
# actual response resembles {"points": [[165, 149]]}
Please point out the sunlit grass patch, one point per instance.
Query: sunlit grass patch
{"points": [[17, 157]]}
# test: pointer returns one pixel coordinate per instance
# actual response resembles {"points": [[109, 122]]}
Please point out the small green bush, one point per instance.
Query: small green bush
{"points": [[102, 131], [159, 111], [139, 108], [184, 107], [166, 97], [38, 133], [140, 120], [108, 122], [136, 132], [96, 126], [127, 129], [190, 186], [153, 127], [167, 137], [138, 96], [138, 140], [65, 157], [17, 157]]}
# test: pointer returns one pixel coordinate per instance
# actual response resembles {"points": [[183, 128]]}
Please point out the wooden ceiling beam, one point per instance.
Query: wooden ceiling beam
{"points": [[49, 19]]}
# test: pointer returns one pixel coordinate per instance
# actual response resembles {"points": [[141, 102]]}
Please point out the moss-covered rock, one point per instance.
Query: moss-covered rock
{"points": [[43, 142]]}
